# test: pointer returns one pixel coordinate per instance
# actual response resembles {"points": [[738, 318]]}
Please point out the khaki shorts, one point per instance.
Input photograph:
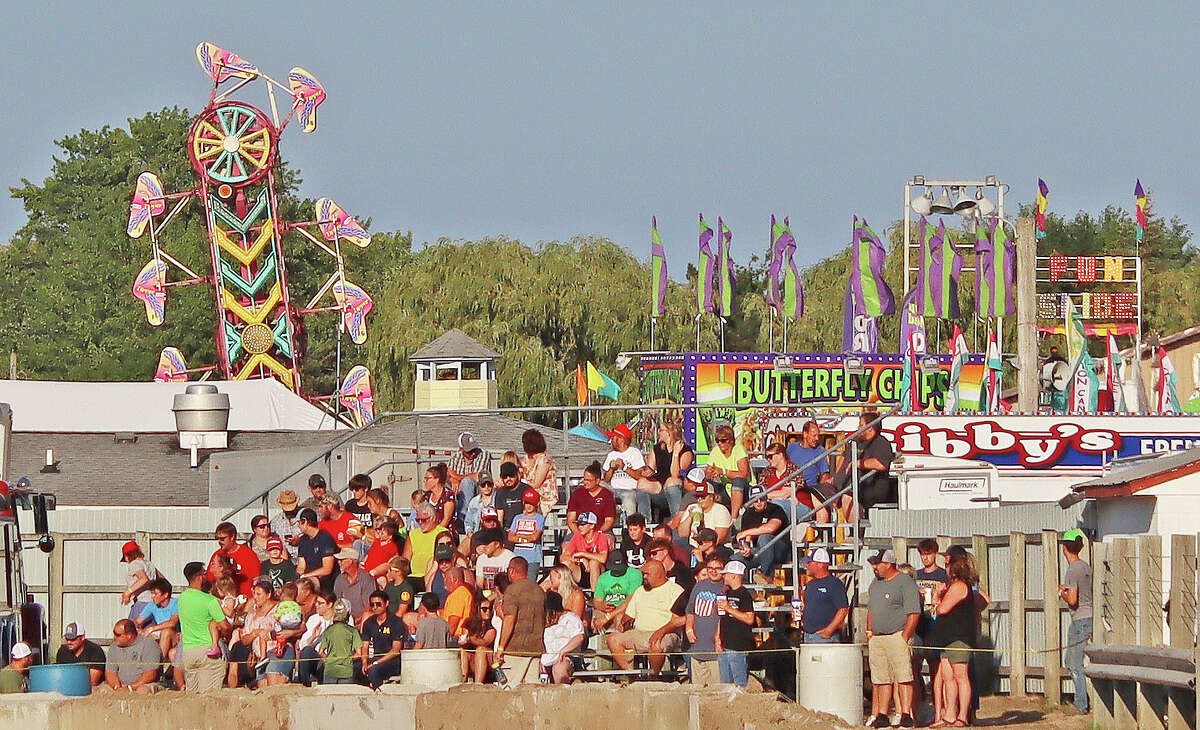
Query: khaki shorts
{"points": [[705, 672], [640, 640], [890, 658]]}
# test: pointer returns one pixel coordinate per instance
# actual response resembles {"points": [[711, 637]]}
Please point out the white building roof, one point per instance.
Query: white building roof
{"points": [[86, 407]]}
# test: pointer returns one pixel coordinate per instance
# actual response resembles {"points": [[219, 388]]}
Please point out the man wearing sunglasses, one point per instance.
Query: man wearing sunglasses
{"points": [[383, 637]]}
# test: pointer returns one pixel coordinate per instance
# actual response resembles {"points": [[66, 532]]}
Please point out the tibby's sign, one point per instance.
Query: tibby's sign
{"points": [[1040, 442]]}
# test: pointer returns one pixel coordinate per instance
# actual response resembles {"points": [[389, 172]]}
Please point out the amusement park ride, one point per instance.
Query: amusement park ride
{"points": [[233, 148]]}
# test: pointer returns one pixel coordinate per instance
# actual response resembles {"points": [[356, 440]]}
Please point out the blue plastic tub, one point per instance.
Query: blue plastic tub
{"points": [[67, 679]]}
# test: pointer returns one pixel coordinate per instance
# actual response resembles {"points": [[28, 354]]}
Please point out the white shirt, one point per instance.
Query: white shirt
{"points": [[486, 568], [313, 628], [716, 517], [557, 637], [633, 460]]}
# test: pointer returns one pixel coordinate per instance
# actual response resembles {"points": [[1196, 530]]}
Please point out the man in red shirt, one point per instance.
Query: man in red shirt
{"points": [[587, 550], [592, 496], [336, 521], [245, 562]]}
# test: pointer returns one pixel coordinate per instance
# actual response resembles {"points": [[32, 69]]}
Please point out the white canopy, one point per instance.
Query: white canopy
{"points": [[83, 407]]}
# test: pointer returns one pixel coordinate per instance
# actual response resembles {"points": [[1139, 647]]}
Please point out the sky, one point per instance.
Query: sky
{"points": [[542, 121]]}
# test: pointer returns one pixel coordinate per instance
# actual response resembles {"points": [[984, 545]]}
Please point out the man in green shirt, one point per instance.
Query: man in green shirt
{"points": [[614, 586], [12, 677], [198, 610], [339, 645]]}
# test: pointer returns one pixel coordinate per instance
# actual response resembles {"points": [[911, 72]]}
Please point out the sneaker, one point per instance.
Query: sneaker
{"points": [[880, 721], [907, 721]]}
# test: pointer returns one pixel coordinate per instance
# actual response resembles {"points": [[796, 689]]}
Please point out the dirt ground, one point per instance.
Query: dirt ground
{"points": [[1027, 712]]}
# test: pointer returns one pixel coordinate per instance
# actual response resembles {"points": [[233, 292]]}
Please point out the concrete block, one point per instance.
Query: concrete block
{"points": [[351, 710], [29, 711]]}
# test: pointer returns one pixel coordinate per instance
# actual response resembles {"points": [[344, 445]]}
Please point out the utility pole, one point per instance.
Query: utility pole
{"points": [[1027, 359]]}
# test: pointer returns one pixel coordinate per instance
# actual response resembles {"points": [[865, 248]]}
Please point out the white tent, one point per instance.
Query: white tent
{"points": [[83, 407]]}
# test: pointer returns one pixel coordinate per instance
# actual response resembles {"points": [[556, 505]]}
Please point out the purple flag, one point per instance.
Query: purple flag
{"points": [[658, 269], [860, 332], [938, 272], [775, 268], [792, 296], [706, 268], [872, 295], [912, 324], [726, 296]]}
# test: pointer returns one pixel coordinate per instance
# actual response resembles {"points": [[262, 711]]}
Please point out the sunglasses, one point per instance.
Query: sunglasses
{"points": [[485, 608], [724, 441], [377, 604]]}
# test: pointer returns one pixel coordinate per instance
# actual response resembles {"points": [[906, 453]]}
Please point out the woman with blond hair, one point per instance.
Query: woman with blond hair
{"points": [[670, 459], [560, 581]]}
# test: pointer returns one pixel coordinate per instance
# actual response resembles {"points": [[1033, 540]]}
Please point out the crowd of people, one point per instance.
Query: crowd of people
{"points": [[656, 558]]}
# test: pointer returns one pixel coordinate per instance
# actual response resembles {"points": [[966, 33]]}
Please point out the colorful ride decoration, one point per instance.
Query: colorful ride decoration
{"points": [[233, 147]]}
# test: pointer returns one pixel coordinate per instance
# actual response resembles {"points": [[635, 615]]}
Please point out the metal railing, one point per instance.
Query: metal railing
{"points": [[261, 497]]}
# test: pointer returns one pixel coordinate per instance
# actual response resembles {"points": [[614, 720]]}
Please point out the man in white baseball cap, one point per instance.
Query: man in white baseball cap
{"points": [[826, 605], [12, 676]]}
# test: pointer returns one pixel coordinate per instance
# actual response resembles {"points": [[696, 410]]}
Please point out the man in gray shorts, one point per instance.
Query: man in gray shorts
{"points": [[893, 608]]}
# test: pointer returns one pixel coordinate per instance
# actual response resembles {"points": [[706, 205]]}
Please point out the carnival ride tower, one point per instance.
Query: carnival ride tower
{"points": [[233, 147]]}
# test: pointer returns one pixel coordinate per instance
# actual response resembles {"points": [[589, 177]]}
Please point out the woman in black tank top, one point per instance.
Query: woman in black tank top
{"points": [[954, 632]]}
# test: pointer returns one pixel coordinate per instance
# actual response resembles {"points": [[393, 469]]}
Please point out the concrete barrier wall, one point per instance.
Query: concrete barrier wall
{"points": [[579, 707]]}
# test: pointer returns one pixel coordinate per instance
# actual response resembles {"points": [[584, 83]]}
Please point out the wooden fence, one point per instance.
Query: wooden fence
{"points": [[1142, 676]]}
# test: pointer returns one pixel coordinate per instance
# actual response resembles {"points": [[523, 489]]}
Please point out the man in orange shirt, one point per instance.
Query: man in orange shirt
{"points": [[459, 602]]}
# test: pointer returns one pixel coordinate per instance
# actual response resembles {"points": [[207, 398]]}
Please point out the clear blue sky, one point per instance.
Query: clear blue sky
{"points": [[545, 120]]}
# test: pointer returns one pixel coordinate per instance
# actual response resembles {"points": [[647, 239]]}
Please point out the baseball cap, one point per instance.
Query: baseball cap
{"points": [[333, 499], [703, 488], [617, 559], [20, 650], [73, 630], [309, 515], [341, 609], [819, 555], [883, 556], [587, 518], [129, 547], [316, 480], [274, 542], [622, 430], [467, 441], [531, 496], [489, 513], [347, 554], [485, 477], [756, 493], [443, 552], [509, 469], [287, 499], [733, 567], [696, 475], [1072, 535]]}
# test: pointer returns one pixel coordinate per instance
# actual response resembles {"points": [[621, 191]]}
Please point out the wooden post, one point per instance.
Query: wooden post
{"points": [[143, 539], [1027, 375], [54, 595], [1016, 614], [900, 547], [1052, 615], [1124, 632], [985, 664], [1150, 625], [1181, 703], [1100, 691]]}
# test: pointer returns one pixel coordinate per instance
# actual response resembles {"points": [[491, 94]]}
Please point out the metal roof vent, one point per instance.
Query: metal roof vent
{"points": [[202, 417]]}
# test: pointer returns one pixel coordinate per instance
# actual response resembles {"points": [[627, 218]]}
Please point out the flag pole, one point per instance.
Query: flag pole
{"points": [[784, 325], [698, 316], [771, 329], [653, 321], [722, 320]]}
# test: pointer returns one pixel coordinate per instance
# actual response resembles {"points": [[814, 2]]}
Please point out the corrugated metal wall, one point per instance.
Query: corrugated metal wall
{"points": [[97, 562]]}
